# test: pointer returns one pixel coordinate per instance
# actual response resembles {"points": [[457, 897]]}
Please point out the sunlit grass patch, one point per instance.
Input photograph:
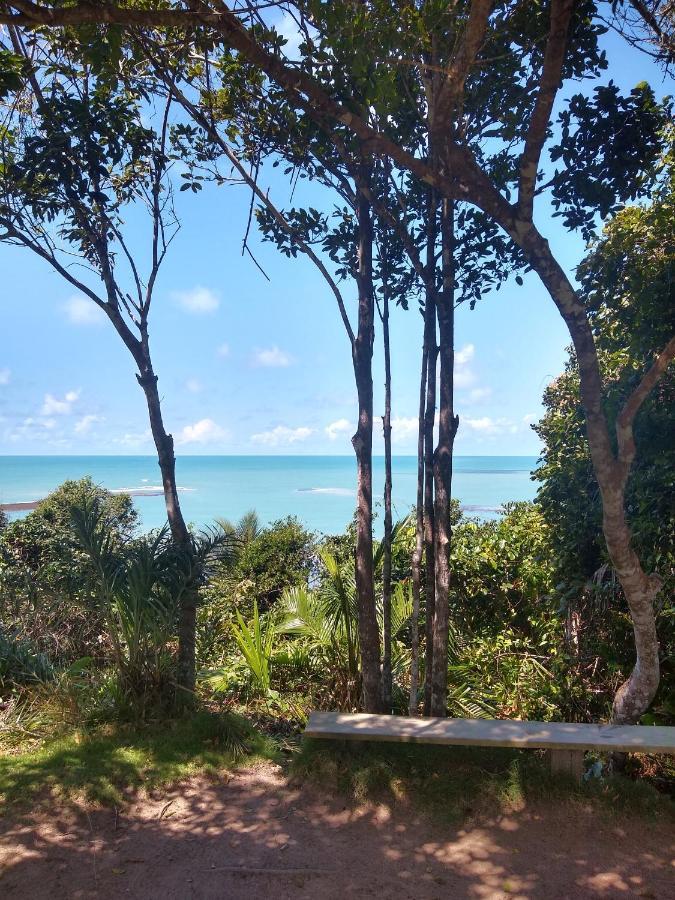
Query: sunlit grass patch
{"points": [[108, 764]]}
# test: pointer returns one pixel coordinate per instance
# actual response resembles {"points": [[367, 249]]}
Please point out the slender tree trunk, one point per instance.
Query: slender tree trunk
{"points": [[429, 416], [447, 426], [187, 623], [419, 543], [386, 555], [362, 355], [611, 471]]}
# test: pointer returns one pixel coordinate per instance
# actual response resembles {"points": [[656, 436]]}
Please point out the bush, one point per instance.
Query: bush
{"points": [[267, 561], [45, 577], [21, 663]]}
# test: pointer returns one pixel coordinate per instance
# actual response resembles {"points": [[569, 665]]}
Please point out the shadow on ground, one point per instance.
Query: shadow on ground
{"points": [[252, 834]]}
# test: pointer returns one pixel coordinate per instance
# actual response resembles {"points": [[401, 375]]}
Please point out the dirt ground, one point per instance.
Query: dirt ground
{"points": [[254, 835]]}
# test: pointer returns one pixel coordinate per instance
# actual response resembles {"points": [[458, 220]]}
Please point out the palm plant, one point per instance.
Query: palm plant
{"points": [[255, 642], [139, 586], [247, 529]]}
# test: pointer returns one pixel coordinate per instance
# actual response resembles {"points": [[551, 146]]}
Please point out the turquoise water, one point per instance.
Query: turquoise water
{"points": [[317, 489]]}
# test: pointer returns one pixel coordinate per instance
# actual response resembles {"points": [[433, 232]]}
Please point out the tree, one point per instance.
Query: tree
{"points": [[74, 153], [627, 285], [566, 48]]}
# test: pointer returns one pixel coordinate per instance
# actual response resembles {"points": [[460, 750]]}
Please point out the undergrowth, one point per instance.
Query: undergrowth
{"points": [[455, 783]]}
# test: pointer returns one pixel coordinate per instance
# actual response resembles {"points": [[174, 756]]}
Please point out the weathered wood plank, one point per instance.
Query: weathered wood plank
{"points": [[568, 762], [492, 732]]}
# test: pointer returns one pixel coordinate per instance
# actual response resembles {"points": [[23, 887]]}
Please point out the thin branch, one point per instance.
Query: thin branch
{"points": [[215, 136], [554, 57], [626, 418], [452, 86]]}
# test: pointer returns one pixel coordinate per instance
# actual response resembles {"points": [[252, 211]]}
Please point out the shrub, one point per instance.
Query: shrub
{"points": [[45, 577], [21, 663]]}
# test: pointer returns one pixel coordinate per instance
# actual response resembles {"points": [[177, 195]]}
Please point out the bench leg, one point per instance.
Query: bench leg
{"points": [[569, 762]]}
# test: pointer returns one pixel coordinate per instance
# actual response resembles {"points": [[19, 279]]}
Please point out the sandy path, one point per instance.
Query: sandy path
{"points": [[254, 836]]}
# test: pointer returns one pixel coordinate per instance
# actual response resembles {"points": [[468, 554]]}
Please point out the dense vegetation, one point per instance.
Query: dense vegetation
{"points": [[432, 172]]}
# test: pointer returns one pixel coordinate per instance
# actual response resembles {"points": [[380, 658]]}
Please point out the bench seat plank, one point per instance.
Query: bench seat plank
{"points": [[492, 732]]}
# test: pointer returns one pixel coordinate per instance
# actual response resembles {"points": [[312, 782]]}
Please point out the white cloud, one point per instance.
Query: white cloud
{"points": [[480, 393], [80, 310], [465, 355], [52, 406], [464, 374], [272, 358], [403, 428], [530, 418], [194, 385], [199, 300], [205, 431], [281, 436], [32, 428], [486, 425], [5, 376], [83, 426], [134, 439], [338, 428], [491, 427], [223, 350]]}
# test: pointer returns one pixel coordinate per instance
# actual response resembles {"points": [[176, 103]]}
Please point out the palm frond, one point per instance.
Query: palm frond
{"points": [[255, 642]]}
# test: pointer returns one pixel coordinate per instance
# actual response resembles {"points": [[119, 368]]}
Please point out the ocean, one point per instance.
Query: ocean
{"points": [[320, 490]]}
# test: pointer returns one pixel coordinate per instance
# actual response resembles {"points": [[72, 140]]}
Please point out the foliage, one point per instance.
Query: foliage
{"points": [[323, 621], [137, 594], [456, 783], [45, 575], [255, 642], [264, 562], [507, 635], [268, 560], [20, 662], [627, 280]]}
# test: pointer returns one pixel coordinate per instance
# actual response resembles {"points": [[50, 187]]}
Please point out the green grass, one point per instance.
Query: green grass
{"points": [[454, 783], [107, 765]]}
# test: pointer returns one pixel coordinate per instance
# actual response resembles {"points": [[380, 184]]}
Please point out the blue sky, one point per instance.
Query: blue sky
{"points": [[251, 366]]}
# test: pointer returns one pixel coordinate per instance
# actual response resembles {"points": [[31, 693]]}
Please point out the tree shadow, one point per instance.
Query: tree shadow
{"points": [[255, 834]]}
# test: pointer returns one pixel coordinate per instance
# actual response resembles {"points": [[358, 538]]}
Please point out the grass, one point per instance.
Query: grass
{"points": [[109, 764], [454, 783], [106, 765]]}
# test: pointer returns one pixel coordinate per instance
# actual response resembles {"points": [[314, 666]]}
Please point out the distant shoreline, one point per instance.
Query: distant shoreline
{"points": [[33, 504], [18, 507]]}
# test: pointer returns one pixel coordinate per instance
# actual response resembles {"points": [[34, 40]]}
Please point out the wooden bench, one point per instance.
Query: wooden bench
{"points": [[566, 741]]}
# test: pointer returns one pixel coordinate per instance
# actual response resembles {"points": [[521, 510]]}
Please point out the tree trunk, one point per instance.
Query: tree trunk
{"points": [[419, 543], [362, 355], [640, 589], [386, 555], [180, 534], [447, 426], [429, 416]]}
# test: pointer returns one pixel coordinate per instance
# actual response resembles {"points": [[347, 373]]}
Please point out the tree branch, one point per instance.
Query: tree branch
{"points": [[452, 86], [216, 137], [626, 418], [554, 57]]}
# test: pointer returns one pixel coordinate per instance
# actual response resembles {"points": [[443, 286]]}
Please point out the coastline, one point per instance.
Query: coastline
{"points": [[318, 490], [19, 507], [33, 504]]}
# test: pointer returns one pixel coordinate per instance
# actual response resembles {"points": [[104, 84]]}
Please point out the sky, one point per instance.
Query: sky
{"points": [[251, 366]]}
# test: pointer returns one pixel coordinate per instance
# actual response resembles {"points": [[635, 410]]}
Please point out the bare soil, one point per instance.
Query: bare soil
{"points": [[252, 834]]}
